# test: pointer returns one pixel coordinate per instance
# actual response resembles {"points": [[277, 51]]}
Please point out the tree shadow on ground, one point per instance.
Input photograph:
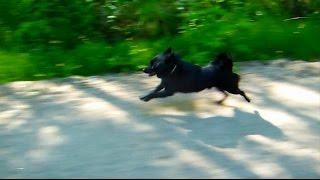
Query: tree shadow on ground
{"points": [[224, 131]]}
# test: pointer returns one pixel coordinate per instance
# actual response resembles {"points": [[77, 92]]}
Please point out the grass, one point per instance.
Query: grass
{"points": [[265, 39]]}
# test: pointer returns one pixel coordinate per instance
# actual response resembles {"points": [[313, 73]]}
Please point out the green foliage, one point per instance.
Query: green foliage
{"points": [[56, 38]]}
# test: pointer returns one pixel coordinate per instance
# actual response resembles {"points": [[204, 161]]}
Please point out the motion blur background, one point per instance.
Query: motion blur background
{"points": [[91, 124], [42, 39]]}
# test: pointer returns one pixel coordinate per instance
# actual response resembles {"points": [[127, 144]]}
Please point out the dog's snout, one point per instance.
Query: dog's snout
{"points": [[149, 71]]}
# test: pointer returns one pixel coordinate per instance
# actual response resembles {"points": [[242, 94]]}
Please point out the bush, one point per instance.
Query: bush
{"points": [[44, 39]]}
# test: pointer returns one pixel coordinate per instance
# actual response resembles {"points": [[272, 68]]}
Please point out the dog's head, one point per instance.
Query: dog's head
{"points": [[162, 65]]}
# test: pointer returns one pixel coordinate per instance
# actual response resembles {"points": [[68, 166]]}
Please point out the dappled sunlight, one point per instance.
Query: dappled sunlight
{"points": [[39, 155], [186, 157], [293, 95], [15, 113], [255, 162], [48, 138], [96, 109], [100, 109], [291, 126], [286, 121], [288, 147], [291, 105], [31, 88], [118, 89], [255, 151], [16, 124]]}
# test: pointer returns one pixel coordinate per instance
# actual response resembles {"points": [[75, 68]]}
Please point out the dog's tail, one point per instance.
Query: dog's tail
{"points": [[223, 61]]}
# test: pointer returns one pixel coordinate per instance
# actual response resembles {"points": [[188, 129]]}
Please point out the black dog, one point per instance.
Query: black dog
{"points": [[179, 76]]}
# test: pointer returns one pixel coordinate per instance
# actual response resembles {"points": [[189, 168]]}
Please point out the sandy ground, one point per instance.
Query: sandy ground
{"points": [[96, 127]]}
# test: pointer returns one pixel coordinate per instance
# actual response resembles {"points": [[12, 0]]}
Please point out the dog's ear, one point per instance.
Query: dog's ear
{"points": [[168, 51], [170, 58]]}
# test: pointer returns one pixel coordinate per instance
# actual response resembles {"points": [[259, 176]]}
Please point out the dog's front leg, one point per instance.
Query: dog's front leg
{"points": [[161, 94], [157, 89]]}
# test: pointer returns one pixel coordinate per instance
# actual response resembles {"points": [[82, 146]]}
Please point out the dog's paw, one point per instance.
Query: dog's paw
{"points": [[141, 98], [145, 98]]}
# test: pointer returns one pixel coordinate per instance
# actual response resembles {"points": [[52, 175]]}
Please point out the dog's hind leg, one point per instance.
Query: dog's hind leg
{"points": [[224, 98], [234, 87], [238, 91], [244, 95]]}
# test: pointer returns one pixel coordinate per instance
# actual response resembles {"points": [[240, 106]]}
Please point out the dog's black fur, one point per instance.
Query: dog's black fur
{"points": [[179, 76]]}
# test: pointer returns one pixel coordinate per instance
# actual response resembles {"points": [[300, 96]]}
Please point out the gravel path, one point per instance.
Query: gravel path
{"points": [[96, 127]]}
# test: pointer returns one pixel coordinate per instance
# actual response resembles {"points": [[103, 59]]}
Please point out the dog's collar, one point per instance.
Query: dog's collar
{"points": [[173, 69]]}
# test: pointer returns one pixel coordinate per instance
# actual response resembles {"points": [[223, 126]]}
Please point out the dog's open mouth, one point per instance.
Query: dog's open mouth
{"points": [[152, 73], [149, 71]]}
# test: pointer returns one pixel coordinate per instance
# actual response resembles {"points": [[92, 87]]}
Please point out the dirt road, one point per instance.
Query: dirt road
{"points": [[96, 127]]}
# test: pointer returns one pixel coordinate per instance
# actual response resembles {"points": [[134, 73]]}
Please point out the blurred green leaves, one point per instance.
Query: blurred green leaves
{"points": [[55, 38]]}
